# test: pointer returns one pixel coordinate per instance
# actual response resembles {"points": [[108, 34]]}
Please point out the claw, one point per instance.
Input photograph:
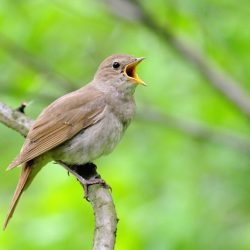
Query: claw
{"points": [[85, 182]]}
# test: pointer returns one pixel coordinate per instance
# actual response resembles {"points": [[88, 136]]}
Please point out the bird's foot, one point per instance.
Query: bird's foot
{"points": [[88, 182], [86, 174]]}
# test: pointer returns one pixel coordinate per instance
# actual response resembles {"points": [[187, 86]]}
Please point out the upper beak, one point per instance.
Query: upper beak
{"points": [[130, 71]]}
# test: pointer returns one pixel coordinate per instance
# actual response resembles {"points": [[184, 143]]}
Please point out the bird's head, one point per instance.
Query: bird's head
{"points": [[119, 71]]}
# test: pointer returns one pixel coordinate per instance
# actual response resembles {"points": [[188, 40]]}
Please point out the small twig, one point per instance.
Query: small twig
{"points": [[99, 196], [22, 107]]}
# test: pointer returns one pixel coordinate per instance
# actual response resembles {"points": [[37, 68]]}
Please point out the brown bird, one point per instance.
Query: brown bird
{"points": [[83, 125]]}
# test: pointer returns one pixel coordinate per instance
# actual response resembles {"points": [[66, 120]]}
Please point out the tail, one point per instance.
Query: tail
{"points": [[22, 184]]}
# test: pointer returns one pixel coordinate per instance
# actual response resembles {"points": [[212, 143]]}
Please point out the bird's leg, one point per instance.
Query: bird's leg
{"points": [[89, 174], [86, 174]]}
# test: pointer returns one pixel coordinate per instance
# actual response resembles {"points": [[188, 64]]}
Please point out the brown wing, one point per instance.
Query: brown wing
{"points": [[60, 121]]}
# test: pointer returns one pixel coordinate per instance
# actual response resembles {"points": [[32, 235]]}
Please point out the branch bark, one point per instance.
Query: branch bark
{"points": [[105, 218], [99, 196]]}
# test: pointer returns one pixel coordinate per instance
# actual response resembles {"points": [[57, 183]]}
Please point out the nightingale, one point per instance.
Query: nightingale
{"points": [[80, 126]]}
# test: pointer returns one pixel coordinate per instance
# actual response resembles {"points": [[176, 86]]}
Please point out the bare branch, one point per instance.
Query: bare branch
{"points": [[105, 226], [15, 119], [220, 80], [22, 107], [99, 197]]}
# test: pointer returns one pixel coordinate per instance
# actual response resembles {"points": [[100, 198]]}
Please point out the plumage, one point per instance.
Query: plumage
{"points": [[19, 189], [54, 126], [81, 126]]}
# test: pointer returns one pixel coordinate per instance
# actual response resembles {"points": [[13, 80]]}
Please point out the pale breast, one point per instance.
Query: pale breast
{"points": [[92, 142]]}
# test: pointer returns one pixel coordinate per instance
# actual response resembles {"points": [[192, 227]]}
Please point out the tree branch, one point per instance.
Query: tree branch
{"points": [[15, 119], [105, 218], [224, 83], [99, 196]]}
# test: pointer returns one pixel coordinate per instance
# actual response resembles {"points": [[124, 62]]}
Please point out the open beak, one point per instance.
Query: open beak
{"points": [[130, 71]]}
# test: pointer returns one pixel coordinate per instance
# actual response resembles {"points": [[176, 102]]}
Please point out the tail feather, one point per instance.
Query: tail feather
{"points": [[14, 163], [26, 170]]}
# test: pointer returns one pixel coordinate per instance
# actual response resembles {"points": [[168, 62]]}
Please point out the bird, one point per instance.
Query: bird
{"points": [[81, 126]]}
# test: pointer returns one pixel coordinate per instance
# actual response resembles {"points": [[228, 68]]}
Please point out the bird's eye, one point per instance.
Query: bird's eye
{"points": [[116, 65]]}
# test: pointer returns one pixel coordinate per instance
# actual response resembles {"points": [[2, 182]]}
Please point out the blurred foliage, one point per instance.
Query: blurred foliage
{"points": [[171, 191]]}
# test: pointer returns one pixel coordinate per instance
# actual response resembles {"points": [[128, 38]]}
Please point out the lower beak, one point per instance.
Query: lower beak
{"points": [[130, 71]]}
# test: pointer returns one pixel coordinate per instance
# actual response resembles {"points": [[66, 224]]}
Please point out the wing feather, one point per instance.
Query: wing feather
{"points": [[60, 121]]}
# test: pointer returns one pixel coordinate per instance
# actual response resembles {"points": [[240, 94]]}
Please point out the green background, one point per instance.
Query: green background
{"points": [[175, 186]]}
